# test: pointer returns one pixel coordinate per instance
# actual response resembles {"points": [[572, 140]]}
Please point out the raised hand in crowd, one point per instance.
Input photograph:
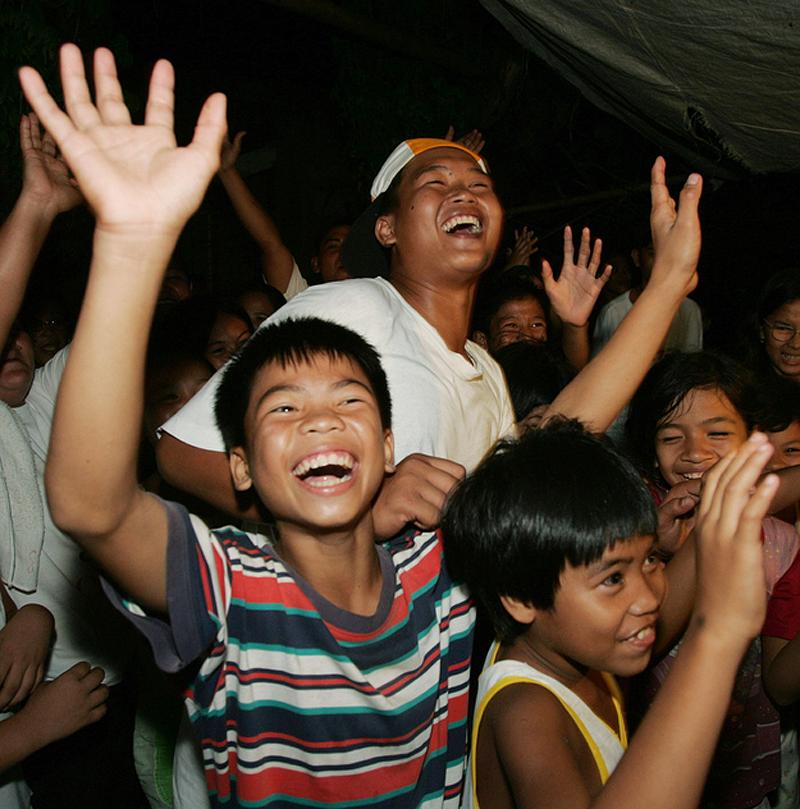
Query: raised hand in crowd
{"points": [[526, 243]]}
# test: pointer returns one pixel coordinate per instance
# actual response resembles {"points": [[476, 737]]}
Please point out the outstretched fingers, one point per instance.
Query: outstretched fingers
{"points": [[585, 247], [160, 110], [211, 125], [55, 121], [77, 98], [727, 486], [108, 92], [569, 247]]}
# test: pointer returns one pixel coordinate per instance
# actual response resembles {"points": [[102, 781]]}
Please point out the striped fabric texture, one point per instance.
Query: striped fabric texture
{"points": [[301, 704]]}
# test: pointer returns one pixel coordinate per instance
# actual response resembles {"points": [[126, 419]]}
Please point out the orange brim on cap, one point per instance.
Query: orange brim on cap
{"points": [[406, 152]]}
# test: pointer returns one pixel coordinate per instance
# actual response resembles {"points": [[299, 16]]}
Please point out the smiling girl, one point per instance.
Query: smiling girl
{"points": [[689, 413]]}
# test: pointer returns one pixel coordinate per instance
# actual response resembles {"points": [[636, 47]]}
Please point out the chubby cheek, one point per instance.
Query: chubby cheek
{"points": [[665, 463]]}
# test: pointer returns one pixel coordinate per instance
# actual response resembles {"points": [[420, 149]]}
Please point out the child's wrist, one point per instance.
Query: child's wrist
{"points": [[140, 244], [717, 638]]}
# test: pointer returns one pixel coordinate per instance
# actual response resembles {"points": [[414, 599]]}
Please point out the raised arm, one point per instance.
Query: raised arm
{"points": [[142, 189], [574, 294], [276, 260], [606, 384], [667, 762], [47, 191]]}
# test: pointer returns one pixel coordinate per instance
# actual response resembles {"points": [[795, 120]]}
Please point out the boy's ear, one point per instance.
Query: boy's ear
{"points": [[240, 469], [523, 612], [480, 338], [388, 450], [384, 230]]}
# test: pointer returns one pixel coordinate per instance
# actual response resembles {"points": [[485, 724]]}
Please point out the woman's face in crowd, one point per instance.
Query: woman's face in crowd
{"points": [[782, 340], [703, 428]]}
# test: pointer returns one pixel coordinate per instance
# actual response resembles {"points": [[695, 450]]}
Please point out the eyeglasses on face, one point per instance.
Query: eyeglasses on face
{"points": [[780, 332]]}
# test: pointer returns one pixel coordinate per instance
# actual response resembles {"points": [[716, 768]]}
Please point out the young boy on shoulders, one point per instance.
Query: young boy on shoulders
{"points": [[333, 670], [567, 566]]}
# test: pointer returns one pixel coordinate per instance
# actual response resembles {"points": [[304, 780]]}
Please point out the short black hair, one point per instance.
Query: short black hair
{"points": [[559, 495], [668, 383], [535, 374], [782, 287], [512, 285], [291, 342]]}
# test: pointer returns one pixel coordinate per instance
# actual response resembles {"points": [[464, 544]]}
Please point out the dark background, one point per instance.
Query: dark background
{"points": [[326, 89]]}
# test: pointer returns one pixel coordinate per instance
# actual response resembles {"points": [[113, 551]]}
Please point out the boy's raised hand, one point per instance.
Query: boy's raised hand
{"points": [[135, 178], [731, 596], [574, 294], [675, 229]]}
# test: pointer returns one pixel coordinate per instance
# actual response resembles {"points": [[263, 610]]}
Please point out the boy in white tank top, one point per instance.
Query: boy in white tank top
{"points": [[556, 536]]}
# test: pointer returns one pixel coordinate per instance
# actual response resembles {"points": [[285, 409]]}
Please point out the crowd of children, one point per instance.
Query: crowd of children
{"points": [[323, 505]]}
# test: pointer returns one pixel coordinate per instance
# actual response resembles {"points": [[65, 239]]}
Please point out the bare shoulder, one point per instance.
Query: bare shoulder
{"points": [[533, 740]]}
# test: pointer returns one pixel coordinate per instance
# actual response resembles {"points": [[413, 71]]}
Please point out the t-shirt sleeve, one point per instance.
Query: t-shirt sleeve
{"points": [[296, 285], [783, 609], [47, 379], [197, 574]]}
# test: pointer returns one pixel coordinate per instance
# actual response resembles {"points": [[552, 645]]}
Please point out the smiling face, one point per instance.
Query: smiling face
{"points": [[317, 452], [228, 334], [604, 614], [702, 429], [16, 369], [448, 219], [516, 320], [784, 354]]}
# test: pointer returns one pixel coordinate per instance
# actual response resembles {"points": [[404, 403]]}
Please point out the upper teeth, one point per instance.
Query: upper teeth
{"points": [[692, 475], [643, 633], [343, 459], [452, 224]]}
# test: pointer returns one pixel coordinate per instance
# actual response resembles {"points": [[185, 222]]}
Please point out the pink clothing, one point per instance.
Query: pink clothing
{"points": [[746, 765]]}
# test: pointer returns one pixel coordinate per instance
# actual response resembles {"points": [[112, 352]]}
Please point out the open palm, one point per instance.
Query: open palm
{"points": [[134, 177], [574, 294]]}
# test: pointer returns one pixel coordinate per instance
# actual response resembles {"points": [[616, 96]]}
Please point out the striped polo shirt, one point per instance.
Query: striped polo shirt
{"points": [[298, 703]]}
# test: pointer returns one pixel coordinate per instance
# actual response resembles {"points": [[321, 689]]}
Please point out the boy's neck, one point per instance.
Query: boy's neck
{"points": [[342, 566], [589, 685], [447, 308], [525, 648]]}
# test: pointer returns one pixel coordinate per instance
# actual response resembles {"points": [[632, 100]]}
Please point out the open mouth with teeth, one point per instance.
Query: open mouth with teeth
{"points": [[644, 637], [325, 469], [465, 223]]}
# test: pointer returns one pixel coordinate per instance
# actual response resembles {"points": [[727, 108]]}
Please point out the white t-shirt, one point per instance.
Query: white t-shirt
{"points": [[685, 333], [87, 627], [442, 403]]}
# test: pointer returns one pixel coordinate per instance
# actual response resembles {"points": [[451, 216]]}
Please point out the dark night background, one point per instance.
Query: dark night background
{"points": [[326, 89]]}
